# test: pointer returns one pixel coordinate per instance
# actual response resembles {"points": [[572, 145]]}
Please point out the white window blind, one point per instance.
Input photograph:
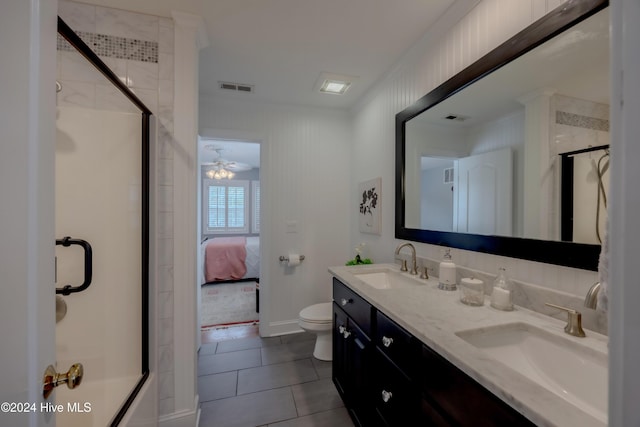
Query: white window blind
{"points": [[226, 206]]}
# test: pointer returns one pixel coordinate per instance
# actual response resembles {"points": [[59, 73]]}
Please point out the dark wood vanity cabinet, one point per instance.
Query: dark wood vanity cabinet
{"points": [[387, 377], [464, 401]]}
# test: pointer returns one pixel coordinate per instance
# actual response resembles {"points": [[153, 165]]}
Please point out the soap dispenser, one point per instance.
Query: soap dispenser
{"points": [[447, 273], [502, 294]]}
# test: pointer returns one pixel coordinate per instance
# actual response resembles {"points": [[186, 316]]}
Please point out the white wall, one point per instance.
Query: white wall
{"points": [[304, 176], [446, 49]]}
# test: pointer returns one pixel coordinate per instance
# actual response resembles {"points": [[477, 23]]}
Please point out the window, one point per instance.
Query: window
{"points": [[226, 206]]}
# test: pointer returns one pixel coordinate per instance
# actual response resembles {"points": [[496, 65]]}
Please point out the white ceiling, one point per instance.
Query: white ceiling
{"points": [[282, 46]]}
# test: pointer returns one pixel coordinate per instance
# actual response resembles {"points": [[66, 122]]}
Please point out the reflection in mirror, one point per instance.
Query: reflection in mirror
{"points": [[482, 154], [486, 160], [584, 189]]}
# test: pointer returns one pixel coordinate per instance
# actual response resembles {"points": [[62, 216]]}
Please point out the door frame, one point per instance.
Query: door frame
{"points": [[256, 138], [27, 247]]}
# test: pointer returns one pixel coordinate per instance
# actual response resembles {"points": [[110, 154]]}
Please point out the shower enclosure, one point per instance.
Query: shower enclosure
{"points": [[102, 232], [585, 188]]}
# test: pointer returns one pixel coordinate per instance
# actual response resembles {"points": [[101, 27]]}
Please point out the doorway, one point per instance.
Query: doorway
{"points": [[229, 234]]}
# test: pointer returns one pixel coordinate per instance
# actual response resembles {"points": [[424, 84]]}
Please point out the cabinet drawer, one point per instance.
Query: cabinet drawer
{"points": [[451, 389], [396, 343], [355, 306]]}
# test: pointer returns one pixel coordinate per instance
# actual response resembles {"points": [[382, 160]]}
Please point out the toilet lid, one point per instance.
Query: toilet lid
{"points": [[317, 313]]}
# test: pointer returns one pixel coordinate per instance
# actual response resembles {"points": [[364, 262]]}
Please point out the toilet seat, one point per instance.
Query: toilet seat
{"points": [[317, 313]]}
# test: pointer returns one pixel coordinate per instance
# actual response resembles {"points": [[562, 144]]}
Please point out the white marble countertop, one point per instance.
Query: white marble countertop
{"points": [[433, 316]]}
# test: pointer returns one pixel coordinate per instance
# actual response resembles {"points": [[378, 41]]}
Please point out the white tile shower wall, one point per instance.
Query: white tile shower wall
{"points": [[153, 84], [429, 64]]}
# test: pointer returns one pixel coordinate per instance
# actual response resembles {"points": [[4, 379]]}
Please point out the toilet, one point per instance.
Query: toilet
{"points": [[318, 319]]}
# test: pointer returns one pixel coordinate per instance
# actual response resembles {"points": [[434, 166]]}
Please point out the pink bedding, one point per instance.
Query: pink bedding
{"points": [[224, 258]]}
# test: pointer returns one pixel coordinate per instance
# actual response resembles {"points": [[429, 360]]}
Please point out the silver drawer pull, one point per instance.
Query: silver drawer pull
{"points": [[345, 301], [386, 341], [346, 334], [386, 396]]}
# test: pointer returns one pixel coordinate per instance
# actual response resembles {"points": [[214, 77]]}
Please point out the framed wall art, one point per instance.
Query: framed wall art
{"points": [[369, 220]]}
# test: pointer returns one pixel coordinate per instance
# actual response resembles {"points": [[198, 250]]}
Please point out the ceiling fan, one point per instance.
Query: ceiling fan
{"points": [[221, 168]]}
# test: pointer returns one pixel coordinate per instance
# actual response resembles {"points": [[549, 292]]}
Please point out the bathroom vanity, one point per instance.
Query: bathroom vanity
{"points": [[406, 353]]}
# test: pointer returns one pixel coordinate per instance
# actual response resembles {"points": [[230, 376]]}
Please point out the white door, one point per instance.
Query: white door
{"points": [[484, 193], [27, 137]]}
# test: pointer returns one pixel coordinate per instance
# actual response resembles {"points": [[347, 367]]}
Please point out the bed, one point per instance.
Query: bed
{"points": [[227, 259]]}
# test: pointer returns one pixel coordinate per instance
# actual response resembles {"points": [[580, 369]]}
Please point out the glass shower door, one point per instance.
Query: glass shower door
{"points": [[102, 199]]}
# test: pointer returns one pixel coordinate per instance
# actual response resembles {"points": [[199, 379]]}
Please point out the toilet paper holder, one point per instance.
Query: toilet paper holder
{"points": [[286, 258]]}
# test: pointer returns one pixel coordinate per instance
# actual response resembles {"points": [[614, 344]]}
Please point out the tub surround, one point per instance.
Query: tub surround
{"points": [[433, 316]]}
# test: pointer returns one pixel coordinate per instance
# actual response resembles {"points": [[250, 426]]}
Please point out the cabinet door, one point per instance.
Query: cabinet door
{"points": [[359, 373], [430, 415], [396, 399], [464, 400], [340, 354], [351, 366]]}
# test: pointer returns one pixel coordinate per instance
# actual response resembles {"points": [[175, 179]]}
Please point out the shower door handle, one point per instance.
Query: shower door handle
{"points": [[88, 265]]}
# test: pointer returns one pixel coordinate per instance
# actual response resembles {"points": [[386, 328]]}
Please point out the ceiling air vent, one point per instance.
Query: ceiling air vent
{"points": [[237, 87], [456, 117], [448, 176]]}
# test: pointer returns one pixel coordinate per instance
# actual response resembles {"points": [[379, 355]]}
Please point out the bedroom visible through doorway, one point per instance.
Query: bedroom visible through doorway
{"points": [[229, 253]]}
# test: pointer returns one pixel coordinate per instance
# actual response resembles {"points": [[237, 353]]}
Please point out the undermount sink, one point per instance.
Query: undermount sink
{"points": [[575, 372], [385, 279]]}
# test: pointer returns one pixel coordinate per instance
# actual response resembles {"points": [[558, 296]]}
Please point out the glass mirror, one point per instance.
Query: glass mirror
{"points": [[481, 161]]}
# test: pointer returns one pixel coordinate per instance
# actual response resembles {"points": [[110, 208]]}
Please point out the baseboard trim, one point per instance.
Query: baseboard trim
{"points": [[186, 418], [284, 327]]}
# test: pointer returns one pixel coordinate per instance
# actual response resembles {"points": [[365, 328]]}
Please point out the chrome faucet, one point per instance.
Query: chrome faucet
{"points": [[414, 264], [591, 300]]}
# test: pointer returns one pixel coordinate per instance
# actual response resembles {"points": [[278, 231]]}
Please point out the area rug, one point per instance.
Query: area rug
{"points": [[228, 304]]}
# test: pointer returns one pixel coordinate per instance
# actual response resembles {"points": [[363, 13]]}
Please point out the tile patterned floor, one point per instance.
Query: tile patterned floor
{"points": [[267, 382]]}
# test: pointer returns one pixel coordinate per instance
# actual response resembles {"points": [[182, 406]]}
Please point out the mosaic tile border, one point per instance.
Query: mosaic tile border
{"points": [[577, 120], [115, 47]]}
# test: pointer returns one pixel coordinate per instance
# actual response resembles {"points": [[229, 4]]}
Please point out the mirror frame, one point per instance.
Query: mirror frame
{"points": [[577, 255]]}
